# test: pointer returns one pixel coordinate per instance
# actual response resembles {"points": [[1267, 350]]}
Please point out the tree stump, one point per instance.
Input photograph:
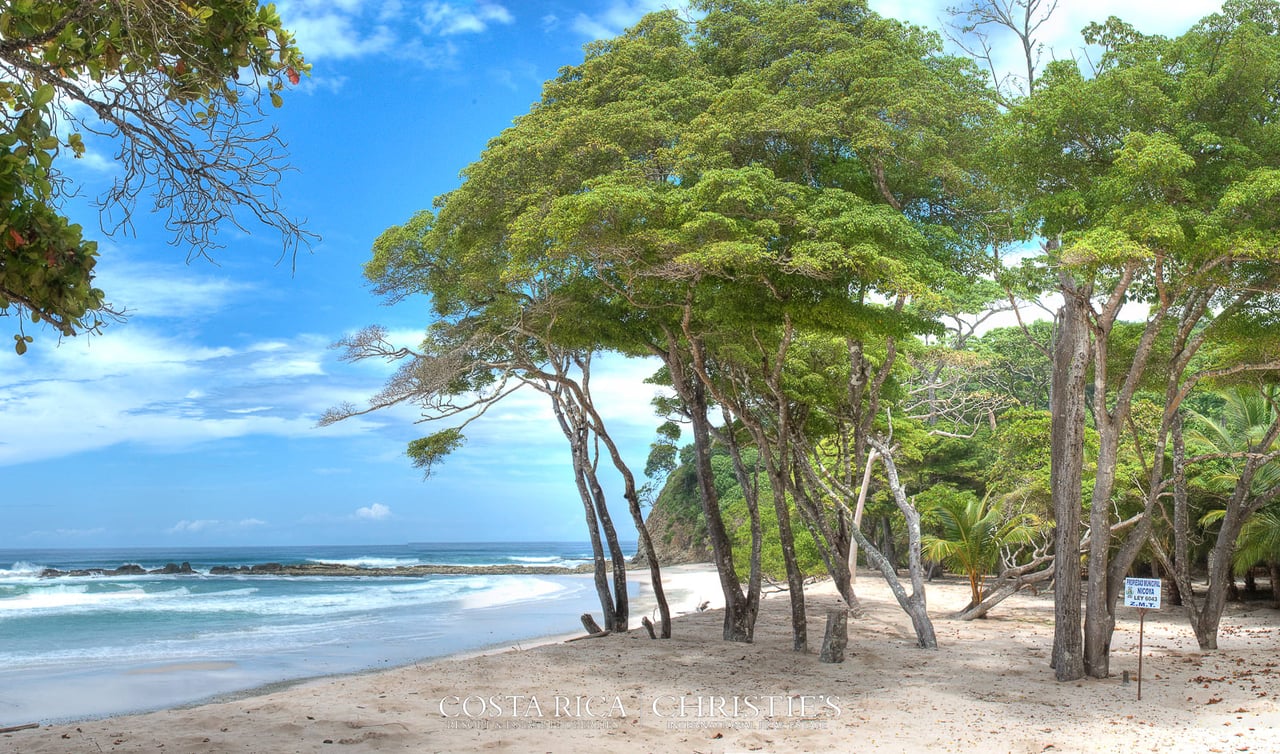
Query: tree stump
{"points": [[590, 624], [836, 637], [648, 626]]}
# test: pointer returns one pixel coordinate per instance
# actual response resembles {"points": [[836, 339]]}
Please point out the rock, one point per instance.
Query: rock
{"points": [[128, 569], [185, 568], [267, 568], [169, 568]]}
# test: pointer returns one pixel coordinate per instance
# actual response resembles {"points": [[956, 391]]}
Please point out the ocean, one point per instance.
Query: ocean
{"points": [[80, 647]]}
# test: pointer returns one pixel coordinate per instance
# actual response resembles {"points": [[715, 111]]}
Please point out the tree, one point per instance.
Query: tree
{"points": [[492, 336], [178, 89], [974, 533], [1241, 447], [1154, 182]]}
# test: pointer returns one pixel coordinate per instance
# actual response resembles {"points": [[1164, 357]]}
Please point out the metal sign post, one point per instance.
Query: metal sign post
{"points": [[1143, 594], [1142, 617]]}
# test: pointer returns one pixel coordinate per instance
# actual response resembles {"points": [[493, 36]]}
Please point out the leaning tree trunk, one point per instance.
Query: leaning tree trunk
{"points": [[600, 570], [914, 604], [1273, 570], [576, 436], [621, 601], [795, 579], [1006, 585], [642, 529], [739, 610]]}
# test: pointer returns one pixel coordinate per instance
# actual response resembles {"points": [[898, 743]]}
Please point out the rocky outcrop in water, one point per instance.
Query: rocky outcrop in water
{"points": [[127, 569]]}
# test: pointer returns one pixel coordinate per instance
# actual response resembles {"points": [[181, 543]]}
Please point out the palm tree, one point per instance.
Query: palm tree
{"points": [[1243, 441], [1246, 416], [974, 534]]}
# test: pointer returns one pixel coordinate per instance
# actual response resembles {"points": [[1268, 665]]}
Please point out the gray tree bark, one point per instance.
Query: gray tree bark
{"points": [[1066, 474]]}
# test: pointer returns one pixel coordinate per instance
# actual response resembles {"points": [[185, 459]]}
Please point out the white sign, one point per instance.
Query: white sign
{"points": [[1142, 593]]}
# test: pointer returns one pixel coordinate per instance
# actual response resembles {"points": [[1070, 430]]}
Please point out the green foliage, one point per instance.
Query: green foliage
{"points": [[429, 451], [165, 80], [972, 532]]}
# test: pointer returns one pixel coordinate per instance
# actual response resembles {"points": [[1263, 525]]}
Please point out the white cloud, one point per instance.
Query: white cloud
{"points": [[615, 18], [97, 162], [374, 512], [289, 367], [332, 35], [447, 19], [152, 290], [212, 524], [185, 526], [139, 385]]}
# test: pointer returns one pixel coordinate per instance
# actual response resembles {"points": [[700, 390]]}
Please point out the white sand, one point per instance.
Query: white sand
{"points": [[988, 689]]}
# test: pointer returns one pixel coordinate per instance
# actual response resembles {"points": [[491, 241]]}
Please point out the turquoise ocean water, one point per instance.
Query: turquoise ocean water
{"points": [[77, 647]]}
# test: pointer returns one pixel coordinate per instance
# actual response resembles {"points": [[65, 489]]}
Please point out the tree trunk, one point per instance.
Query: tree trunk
{"points": [[621, 603], [600, 571], [628, 492], [739, 615], [1066, 473], [795, 579], [833, 543], [886, 542], [642, 530], [1273, 568], [576, 434], [857, 517], [1005, 586], [1099, 618], [836, 637], [915, 604]]}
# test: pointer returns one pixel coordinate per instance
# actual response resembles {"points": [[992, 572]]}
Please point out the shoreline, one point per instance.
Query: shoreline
{"points": [[686, 585], [684, 578], [988, 687]]}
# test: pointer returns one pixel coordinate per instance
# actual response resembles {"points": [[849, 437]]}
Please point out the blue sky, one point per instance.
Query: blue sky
{"points": [[194, 422]]}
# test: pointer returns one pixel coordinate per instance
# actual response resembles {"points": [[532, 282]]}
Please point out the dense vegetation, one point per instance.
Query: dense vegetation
{"points": [[808, 214]]}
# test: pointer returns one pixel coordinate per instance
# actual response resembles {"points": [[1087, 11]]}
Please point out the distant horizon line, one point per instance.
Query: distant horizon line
{"points": [[365, 544]]}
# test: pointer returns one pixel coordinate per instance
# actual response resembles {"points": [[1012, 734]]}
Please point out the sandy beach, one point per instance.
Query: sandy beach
{"points": [[988, 688]]}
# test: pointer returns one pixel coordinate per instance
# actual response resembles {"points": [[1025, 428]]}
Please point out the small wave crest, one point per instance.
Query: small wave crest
{"points": [[368, 562], [69, 597], [544, 560], [508, 589]]}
